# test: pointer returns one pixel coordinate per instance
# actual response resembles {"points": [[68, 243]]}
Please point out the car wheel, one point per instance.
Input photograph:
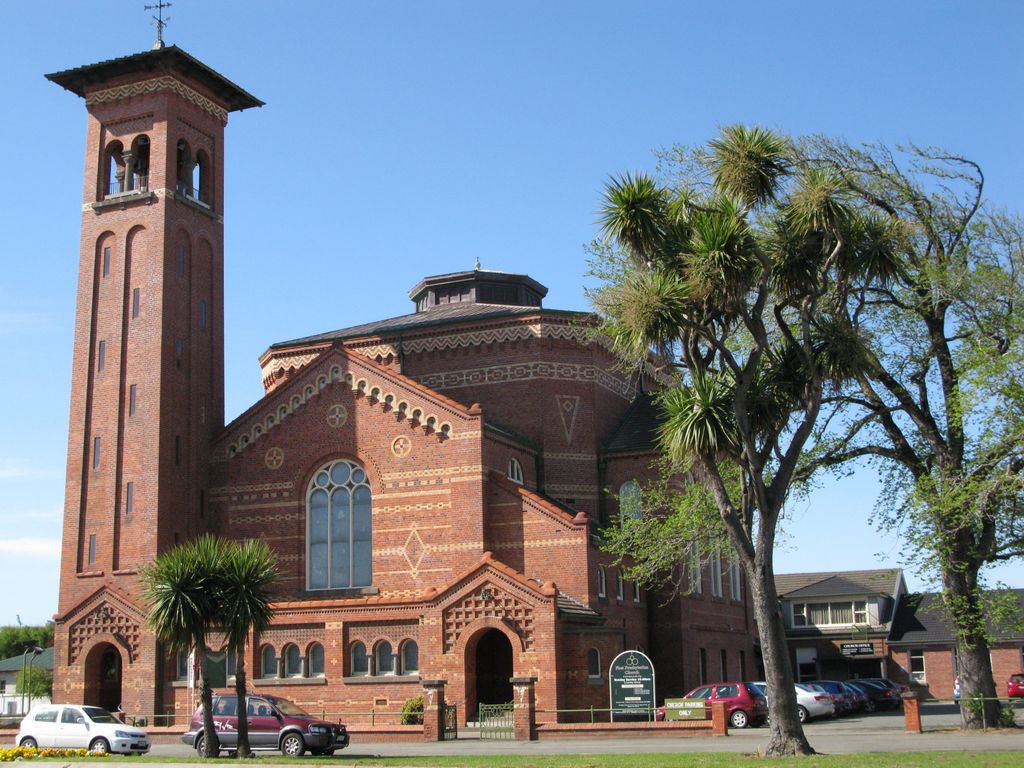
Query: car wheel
{"points": [[870, 706], [801, 714], [99, 746], [201, 747], [739, 719], [29, 743], [292, 745]]}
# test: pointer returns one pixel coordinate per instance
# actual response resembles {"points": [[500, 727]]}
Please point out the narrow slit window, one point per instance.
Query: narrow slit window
{"points": [[202, 316], [101, 355], [181, 259], [179, 352], [96, 444], [106, 261], [92, 549], [135, 303], [132, 397], [129, 498]]}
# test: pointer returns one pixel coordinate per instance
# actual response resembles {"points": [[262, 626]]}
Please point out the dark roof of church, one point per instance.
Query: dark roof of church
{"points": [[570, 607], [453, 313], [168, 59], [921, 618], [637, 431], [880, 581]]}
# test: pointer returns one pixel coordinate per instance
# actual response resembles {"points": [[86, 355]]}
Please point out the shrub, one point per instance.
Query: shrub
{"points": [[412, 711]]}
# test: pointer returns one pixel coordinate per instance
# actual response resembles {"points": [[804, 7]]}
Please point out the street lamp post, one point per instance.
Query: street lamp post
{"points": [[31, 647]]}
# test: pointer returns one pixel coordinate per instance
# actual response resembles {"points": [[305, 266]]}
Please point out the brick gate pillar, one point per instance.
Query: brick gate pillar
{"points": [[719, 719], [524, 708], [433, 709], [912, 712]]}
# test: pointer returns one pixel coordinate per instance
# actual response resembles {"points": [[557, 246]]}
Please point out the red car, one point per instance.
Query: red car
{"points": [[1015, 686], [744, 704]]}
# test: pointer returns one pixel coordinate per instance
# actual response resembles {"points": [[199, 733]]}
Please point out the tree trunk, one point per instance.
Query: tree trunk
{"points": [[243, 713], [787, 735], [962, 601], [212, 743]]}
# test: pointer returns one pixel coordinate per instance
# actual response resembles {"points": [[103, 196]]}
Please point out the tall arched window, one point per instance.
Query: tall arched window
{"points": [[515, 471], [338, 528], [410, 657], [593, 663], [384, 658], [315, 662], [268, 662]]}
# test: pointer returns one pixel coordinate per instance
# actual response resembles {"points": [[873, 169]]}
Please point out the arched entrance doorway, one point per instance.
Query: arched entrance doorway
{"points": [[103, 677], [493, 668]]}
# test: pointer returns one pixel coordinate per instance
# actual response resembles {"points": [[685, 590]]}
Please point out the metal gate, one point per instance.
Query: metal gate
{"points": [[451, 722], [496, 721]]}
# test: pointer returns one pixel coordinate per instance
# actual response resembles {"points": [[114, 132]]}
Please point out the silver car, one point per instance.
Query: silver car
{"points": [[811, 701]]}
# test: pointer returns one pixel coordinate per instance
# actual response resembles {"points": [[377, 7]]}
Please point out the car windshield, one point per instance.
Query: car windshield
{"points": [[98, 715], [290, 707], [1017, 678]]}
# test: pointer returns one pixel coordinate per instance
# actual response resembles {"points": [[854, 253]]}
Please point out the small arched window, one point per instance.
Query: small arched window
{"points": [[360, 661], [268, 662], [593, 663], [186, 165], [201, 177], [315, 661], [620, 586], [114, 170], [384, 659], [629, 501], [410, 657], [515, 471], [182, 662], [292, 661], [138, 180]]}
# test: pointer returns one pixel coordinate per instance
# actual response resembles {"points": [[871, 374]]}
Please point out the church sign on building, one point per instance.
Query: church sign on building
{"points": [[631, 685]]}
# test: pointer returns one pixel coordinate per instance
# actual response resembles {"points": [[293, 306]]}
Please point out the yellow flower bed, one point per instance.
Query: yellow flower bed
{"points": [[27, 753]]}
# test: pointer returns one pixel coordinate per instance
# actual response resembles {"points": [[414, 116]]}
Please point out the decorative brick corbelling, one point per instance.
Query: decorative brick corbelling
{"points": [[157, 84], [539, 369]]}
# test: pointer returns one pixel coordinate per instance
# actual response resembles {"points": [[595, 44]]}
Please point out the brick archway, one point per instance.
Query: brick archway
{"points": [[486, 677], [104, 672]]}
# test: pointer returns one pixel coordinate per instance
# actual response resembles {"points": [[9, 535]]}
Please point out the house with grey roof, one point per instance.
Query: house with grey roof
{"points": [[922, 644], [838, 622]]}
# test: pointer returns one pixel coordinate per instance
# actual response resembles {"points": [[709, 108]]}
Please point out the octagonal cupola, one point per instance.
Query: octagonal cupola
{"points": [[477, 286]]}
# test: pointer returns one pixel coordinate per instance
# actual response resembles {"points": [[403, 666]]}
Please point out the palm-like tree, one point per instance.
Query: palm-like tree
{"points": [[247, 575], [183, 588]]}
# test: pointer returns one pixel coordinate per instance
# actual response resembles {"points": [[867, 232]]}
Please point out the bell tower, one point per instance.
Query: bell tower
{"points": [[147, 389]]}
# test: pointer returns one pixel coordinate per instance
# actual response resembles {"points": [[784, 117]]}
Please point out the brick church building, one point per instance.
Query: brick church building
{"points": [[434, 485]]}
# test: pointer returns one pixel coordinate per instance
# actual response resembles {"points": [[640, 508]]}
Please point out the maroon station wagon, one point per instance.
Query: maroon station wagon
{"points": [[274, 724], [744, 704]]}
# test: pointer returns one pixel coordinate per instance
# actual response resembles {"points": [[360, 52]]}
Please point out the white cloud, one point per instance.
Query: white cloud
{"points": [[32, 548]]}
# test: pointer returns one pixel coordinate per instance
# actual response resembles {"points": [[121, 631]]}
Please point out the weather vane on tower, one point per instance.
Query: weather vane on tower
{"points": [[161, 22]]}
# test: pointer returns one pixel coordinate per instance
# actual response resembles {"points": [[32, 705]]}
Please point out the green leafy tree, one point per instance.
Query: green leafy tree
{"points": [[13, 639], [939, 407], [738, 277], [248, 573], [38, 683], [183, 589]]}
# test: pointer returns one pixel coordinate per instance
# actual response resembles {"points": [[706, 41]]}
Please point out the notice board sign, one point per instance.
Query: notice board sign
{"points": [[686, 709], [856, 649], [631, 686]]}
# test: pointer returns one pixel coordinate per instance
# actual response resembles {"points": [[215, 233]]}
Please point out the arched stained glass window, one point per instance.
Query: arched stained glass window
{"points": [[410, 657], [338, 528], [268, 662], [316, 660]]}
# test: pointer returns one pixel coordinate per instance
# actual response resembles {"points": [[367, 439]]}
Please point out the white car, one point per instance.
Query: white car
{"points": [[811, 701], [73, 726]]}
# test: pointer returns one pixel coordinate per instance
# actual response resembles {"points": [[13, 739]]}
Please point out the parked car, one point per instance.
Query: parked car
{"points": [[1015, 685], [861, 699], [879, 696], [745, 704], [810, 702], [900, 688], [274, 724], [842, 695], [75, 726]]}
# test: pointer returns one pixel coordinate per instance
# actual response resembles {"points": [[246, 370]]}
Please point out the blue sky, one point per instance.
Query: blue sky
{"points": [[402, 139]]}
